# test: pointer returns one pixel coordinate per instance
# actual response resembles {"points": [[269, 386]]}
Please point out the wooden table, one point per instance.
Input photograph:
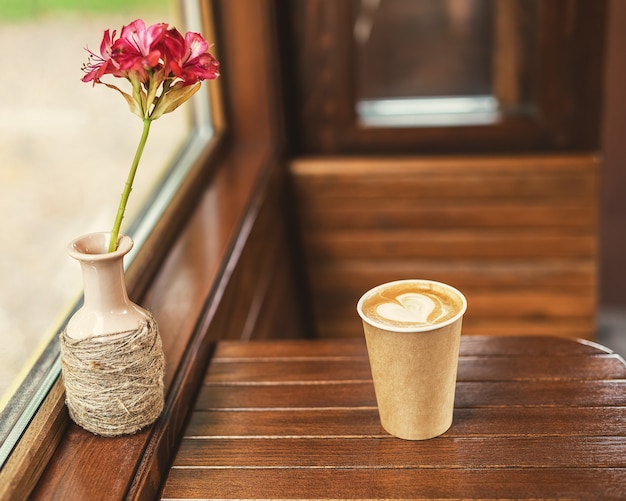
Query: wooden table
{"points": [[534, 418]]}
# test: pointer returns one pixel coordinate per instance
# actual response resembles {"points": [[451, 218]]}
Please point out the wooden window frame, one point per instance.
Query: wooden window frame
{"points": [[565, 101], [180, 274]]}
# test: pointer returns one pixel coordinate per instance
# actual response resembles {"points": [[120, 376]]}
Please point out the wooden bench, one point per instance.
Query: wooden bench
{"points": [[517, 234]]}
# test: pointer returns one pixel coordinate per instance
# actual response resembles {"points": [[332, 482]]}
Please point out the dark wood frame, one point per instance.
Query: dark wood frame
{"points": [[565, 111]]}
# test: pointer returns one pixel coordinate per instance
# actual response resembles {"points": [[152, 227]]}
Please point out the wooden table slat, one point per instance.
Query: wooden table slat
{"points": [[470, 345], [364, 422], [471, 368], [361, 394], [324, 483], [366, 452]]}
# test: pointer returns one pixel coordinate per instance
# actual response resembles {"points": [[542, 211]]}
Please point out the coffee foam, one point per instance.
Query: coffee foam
{"points": [[409, 304]]}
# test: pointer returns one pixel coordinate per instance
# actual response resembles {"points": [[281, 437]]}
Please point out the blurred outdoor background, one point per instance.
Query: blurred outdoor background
{"points": [[65, 151]]}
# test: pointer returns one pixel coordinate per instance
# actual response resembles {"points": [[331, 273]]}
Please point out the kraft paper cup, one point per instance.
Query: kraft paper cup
{"points": [[414, 371]]}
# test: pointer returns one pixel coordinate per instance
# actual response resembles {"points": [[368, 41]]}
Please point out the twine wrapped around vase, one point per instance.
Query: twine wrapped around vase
{"points": [[114, 382]]}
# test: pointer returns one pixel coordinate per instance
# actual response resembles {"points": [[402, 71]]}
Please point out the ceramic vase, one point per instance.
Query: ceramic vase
{"points": [[111, 353]]}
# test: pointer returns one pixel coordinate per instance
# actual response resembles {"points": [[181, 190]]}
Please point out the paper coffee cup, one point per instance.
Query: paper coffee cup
{"points": [[412, 330]]}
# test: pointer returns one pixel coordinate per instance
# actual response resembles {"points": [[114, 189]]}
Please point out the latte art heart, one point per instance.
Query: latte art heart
{"points": [[411, 307], [411, 304]]}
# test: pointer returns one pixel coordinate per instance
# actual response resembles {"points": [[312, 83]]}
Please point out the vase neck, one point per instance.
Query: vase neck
{"points": [[104, 285]]}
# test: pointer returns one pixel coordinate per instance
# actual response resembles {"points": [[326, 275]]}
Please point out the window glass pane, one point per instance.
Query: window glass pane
{"points": [[66, 150], [426, 62], [425, 48]]}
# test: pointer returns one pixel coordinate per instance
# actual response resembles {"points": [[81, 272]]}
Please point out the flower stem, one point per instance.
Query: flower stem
{"points": [[129, 185]]}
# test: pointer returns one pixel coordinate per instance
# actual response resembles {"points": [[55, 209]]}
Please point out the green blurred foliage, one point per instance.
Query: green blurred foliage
{"points": [[19, 10]]}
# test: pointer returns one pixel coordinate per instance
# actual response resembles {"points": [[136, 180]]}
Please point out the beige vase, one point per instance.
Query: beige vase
{"points": [[111, 352]]}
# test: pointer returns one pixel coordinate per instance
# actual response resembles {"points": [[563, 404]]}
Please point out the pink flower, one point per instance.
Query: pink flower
{"points": [[138, 48], [188, 58], [162, 66], [100, 65]]}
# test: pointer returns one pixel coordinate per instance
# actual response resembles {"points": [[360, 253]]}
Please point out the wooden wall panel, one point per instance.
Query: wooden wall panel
{"points": [[518, 235]]}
